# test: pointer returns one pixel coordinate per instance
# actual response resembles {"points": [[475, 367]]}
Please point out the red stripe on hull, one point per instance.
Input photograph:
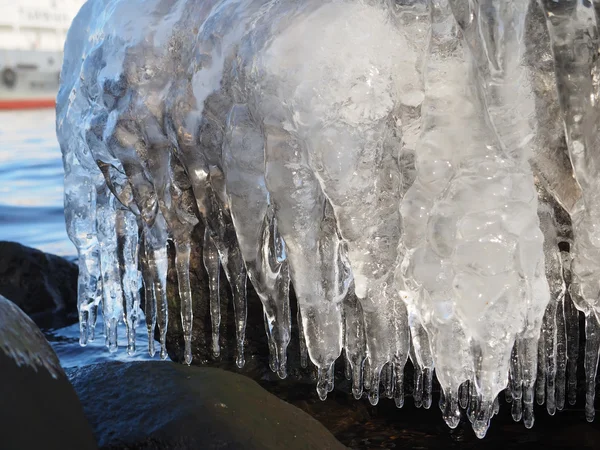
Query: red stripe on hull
{"points": [[29, 103]]}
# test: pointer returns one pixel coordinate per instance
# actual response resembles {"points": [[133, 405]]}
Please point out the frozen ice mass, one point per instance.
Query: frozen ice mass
{"points": [[424, 173]]}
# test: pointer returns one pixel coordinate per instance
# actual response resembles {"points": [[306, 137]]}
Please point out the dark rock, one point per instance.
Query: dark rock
{"points": [[163, 405], [38, 406], [43, 285]]}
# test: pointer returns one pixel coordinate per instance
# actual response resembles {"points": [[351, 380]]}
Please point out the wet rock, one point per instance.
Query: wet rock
{"points": [[38, 406], [43, 285], [163, 405]]}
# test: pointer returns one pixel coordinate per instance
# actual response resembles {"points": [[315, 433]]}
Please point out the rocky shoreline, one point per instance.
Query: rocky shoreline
{"points": [[165, 405]]}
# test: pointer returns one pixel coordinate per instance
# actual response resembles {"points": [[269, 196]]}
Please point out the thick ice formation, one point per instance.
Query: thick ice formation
{"points": [[401, 163]]}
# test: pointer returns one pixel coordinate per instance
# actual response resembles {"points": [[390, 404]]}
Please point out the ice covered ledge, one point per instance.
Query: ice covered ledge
{"points": [[420, 172]]}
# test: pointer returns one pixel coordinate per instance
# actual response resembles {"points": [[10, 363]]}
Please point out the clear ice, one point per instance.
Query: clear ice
{"points": [[423, 172]]}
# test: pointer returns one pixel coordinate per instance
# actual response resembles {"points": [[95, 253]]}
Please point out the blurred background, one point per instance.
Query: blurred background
{"points": [[32, 35]]}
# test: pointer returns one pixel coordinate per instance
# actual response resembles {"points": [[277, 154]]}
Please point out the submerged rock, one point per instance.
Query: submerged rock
{"points": [[162, 405], [43, 285], [38, 406]]}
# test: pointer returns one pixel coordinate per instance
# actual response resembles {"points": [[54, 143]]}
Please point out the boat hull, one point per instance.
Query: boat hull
{"points": [[27, 103], [29, 79]]}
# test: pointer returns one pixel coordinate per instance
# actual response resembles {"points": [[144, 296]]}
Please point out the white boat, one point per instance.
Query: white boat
{"points": [[32, 36]]}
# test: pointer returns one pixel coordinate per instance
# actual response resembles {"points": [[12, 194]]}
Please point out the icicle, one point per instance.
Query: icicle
{"points": [[93, 311], [418, 387], [273, 364], [403, 344], [213, 268], [427, 386], [572, 332], [149, 298], [399, 388], [592, 353], [156, 256], [355, 347], [421, 358], [262, 248], [387, 380], [561, 354], [302, 337], [219, 223], [481, 418], [450, 410], [551, 345], [274, 292], [474, 401], [549, 328], [361, 195], [523, 372], [238, 286], [160, 292], [80, 219], [112, 306], [573, 29], [182, 262], [572, 320], [367, 374], [515, 379], [177, 206], [374, 378], [347, 366], [314, 254], [325, 381], [496, 407], [209, 189], [463, 395], [127, 253], [540, 390], [381, 343], [89, 290], [528, 358], [329, 319]]}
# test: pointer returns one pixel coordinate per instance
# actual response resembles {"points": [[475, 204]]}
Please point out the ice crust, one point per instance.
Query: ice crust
{"points": [[402, 163]]}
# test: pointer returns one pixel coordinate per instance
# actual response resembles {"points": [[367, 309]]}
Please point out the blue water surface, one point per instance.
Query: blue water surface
{"points": [[65, 342], [31, 182]]}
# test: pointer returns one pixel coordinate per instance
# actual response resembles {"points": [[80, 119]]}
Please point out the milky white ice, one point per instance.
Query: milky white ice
{"points": [[422, 172]]}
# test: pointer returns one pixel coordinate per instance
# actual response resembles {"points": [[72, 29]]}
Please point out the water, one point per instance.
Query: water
{"points": [[65, 342], [31, 182]]}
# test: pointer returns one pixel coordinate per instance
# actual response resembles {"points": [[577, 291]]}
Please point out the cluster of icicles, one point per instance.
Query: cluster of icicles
{"points": [[411, 167]]}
